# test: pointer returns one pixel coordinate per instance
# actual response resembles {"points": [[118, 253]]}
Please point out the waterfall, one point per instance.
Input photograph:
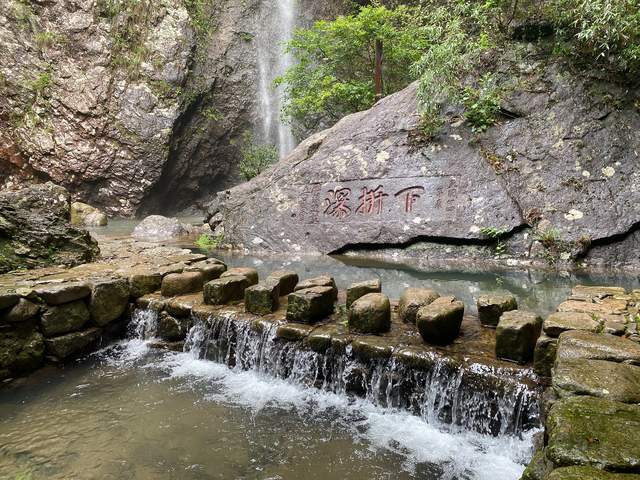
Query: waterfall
{"points": [[446, 394], [143, 324], [276, 28]]}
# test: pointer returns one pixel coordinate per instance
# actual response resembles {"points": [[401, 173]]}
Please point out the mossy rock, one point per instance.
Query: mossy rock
{"points": [[587, 473]]}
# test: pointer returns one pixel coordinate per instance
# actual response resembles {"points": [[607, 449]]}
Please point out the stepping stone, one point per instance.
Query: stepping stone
{"points": [[491, 307], [412, 299], [608, 306], [595, 346], [321, 281], [544, 355], [57, 294], [439, 322], [516, 335], [598, 378], [594, 432], [65, 318], [210, 269], [360, 289], [176, 284], [310, 305], [262, 299], [286, 280], [250, 273], [559, 322], [370, 314], [109, 300], [225, 289]]}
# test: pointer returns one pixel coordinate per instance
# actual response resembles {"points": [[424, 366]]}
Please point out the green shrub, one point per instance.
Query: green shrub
{"points": [[256, 157], [206, 241], [482, 105], [496, 235], [40, 83]]}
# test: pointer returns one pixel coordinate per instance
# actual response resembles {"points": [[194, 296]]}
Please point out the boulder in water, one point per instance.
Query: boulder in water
{"points": [[370, 313], [158, 228], [88, 216], [262, 299], [181, 283], [544, 355], [439, 322], [491, 307], [286, 280], [251, 274], [516, 335], [360, 289], [210, 268], [72, 343], [412, 299], [321, 281], [559, 322], [310, 304], [225, 289]]}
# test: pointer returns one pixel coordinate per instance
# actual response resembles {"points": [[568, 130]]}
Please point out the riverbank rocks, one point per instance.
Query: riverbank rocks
{"points": [[439, 322], [225, 289], [72, 343], [263, 298], [210, 269], [412, 299], [516, 335], [594, 346], [251, 274], [594, 432], [88, 216], [544, 355], [586, 473], [286, 280], [606, 306], [559, 322], [310, 304], [109, 299], [370, 313], [176, 284], [65, 318], [321, 281], [21, 311], [21, 350], [491, 307], [360, 289], [57, 294], [598, 378], [8, 299], [142, 283], [172, 329]]}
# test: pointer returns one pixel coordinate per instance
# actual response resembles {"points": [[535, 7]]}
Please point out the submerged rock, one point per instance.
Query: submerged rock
{"points": [[370, 313], [88, 216], [35, 230]]}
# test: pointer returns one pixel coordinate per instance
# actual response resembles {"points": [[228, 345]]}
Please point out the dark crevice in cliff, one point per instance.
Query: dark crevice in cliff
{"points": [[611, 240]]}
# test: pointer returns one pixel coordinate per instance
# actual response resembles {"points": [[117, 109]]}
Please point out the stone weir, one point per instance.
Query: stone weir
{"points": [[304, 332]]}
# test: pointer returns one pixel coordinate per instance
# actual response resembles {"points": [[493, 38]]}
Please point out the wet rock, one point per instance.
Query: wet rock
{"points": [[587, 473], [439, 322], [412, 299], [64, 318], [418, 358], [225, 289], [310, 304], [143, 283], [370, 347], [23, 310], [157, 228], [56, 294], [559, 322], [172, 329], [538, 467], [172, 268], [320, 339], [88, 216], [614, 324], [321, 281], [262, 299], [286, 280], [516, 335], [360, 289], [544, 355], [182, 306], [21, 351], [598, 378], [151, 301], [293, 331], [181, 283], [210, 269], [109, 298], [594, 432], [491, 307], [370, 314], [72, 343], [36, 232], [594, 346], [251, 274], [8, 299], [607, 306], [593, 292]]}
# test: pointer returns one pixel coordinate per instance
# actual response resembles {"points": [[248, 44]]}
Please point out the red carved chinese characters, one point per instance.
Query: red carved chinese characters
{"points": [[409, 197], [336, 204], [371, 201]]}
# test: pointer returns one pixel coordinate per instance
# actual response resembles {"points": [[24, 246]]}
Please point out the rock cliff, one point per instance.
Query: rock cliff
{"points": [[556, 180]]}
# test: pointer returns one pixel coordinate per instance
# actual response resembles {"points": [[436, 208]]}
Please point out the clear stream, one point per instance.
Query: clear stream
{"points": [[130, 412]]}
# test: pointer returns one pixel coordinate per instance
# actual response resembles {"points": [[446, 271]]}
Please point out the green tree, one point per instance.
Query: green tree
{"points": [[335, 63]]}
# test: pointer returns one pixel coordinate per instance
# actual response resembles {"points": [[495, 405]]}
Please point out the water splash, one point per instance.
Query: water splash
{"points": [[277, 25]]}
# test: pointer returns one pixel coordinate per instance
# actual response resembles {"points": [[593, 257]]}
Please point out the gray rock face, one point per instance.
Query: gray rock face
{"points": [[35, 230], [369, 182], [157, 228]]}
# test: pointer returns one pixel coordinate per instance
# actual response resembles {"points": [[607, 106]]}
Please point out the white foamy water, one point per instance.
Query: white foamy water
{"points": [[459, 454]]}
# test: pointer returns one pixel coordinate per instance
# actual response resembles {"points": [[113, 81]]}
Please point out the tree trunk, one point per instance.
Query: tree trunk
{"points": [[377, 77]]}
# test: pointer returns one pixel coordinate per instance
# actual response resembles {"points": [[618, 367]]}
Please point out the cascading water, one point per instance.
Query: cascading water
{"points": [[276, 28], [445, 394]]}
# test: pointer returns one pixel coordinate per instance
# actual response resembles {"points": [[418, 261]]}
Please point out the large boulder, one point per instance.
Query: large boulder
{"points": [[35, 230], [372, 181], [88, 216], [157, 228]]}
